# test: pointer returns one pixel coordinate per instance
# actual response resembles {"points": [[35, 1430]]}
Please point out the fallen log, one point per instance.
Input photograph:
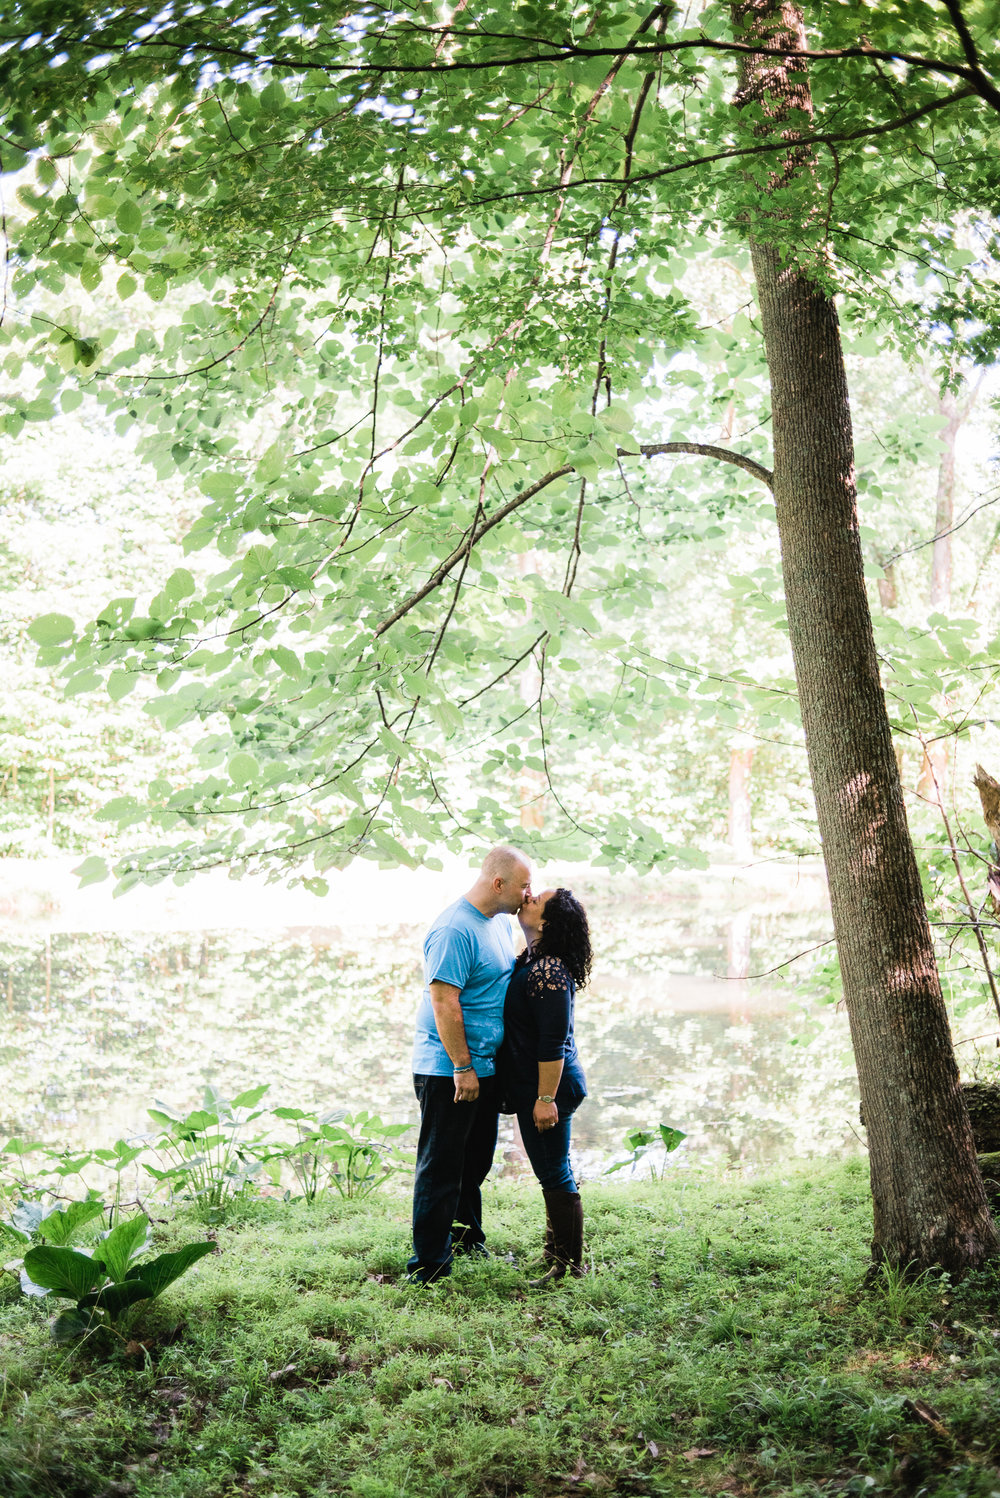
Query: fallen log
{"points": [[983, 1102]]}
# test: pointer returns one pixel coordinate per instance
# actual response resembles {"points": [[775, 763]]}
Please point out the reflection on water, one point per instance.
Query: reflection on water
{"points": [[95, 1027]]}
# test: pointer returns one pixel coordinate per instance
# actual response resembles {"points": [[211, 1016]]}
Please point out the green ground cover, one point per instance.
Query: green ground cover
{"points": [[725, 1344]]}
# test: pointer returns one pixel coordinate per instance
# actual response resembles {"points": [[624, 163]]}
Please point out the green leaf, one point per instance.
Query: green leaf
{"points": [[272, 464], [114, 1299], [585, 465], [51, 629], [671, 1137], [61, 1225], [219, 485], [125, 286], [252, 1096], [243, 769], [161, 1272], [82, 681], [179, 584], [92, 871], [616, 418], [63, 1271], [129, 216], [447, 717], [272, 98], [123, 1243], [71, 1325], [287, 660], [120, 683]]}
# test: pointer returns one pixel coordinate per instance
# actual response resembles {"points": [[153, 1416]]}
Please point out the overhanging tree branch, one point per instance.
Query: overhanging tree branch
{"points": [[983, 85], [705, 450], [559, 53], [475, 535], [761, 148], [440, 573]]}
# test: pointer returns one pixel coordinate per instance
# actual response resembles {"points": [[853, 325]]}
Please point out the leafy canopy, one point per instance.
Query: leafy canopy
{"points": [[416, 305]]}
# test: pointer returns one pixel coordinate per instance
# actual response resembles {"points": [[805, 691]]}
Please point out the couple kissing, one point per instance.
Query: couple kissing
{"points": [[494, 1034]]}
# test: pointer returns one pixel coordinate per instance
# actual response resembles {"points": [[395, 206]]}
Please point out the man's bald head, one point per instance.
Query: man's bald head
{"points": [[503, 862], [504, 882]]}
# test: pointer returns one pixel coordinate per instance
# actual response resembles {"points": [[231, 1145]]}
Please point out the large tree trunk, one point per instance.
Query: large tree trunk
{"points": [[929, 1202]]}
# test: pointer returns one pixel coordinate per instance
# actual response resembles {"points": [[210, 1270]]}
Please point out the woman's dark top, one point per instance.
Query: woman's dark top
{"points": [[538, 1026]]}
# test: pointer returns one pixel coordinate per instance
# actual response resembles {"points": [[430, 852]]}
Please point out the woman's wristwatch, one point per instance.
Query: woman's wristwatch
{"points": [[545, 1099]]}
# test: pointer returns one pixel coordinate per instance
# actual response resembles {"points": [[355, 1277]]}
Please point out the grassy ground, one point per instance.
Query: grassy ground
{"points": [[725, 1345]]}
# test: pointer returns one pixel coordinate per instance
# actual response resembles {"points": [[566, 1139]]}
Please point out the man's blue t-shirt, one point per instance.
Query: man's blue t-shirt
{"points": [[475, 953]]}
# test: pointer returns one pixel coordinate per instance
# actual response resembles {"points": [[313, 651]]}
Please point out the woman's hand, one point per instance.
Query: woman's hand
{"points": [[545, 1116]]}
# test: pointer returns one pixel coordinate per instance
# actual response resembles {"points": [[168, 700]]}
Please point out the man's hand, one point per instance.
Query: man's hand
{"points": [[545, 1116], [466, 1087]]}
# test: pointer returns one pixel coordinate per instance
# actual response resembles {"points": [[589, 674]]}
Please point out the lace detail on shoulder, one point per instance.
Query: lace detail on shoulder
{"points": [[549, 976]]}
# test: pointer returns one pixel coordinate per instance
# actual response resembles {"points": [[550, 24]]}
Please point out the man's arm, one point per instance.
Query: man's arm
{"points": [[446, 1003]]}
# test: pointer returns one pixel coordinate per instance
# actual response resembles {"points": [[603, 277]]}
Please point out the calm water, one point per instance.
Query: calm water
{"points": [[95, 1027]]}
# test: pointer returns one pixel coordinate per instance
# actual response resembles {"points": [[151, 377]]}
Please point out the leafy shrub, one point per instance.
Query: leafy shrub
{"points": [[32, 1222], [642, 1141], [106, 1282], [64, 1165], [206, 1157], [353, 1153], [210, 1157]]}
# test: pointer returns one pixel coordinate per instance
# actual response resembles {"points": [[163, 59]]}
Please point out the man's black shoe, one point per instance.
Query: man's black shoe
{"points": [[470, 1250]]}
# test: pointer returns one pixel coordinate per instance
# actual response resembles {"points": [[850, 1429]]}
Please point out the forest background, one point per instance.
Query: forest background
{"points": [[658, 720], [424, 345], [460, 346]]}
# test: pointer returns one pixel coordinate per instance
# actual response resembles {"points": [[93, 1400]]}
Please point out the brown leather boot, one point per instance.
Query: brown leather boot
{"points": [[549, 1246], [564, 1211]]}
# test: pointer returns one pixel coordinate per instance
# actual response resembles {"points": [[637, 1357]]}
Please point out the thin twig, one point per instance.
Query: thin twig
{"points": [[777, 968], [512, 667], [973, 916]]}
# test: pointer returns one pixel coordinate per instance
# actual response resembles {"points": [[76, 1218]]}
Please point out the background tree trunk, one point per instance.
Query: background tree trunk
{"points": [[929, 1202], [945, 502], [936, 755], [740, 815]]}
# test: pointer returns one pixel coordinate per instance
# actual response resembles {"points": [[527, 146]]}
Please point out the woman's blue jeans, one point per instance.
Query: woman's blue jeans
{"points": [[549, 1151], [454, 1154]]}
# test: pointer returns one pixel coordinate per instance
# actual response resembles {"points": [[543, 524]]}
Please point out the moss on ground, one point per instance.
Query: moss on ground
{"points": [[726, 1344]]}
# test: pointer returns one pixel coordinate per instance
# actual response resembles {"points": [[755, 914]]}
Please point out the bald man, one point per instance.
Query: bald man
{"points": [[469, 956]]}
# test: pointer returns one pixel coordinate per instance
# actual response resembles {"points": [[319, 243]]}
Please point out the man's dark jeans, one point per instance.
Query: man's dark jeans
{"points": [[454, 1154]]}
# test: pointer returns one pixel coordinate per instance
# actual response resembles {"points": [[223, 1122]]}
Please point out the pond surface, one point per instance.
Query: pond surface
{"points": [[95, 1027]]}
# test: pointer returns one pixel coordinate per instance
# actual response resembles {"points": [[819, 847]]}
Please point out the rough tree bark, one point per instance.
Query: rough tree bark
{"points": [[929, 1202]]}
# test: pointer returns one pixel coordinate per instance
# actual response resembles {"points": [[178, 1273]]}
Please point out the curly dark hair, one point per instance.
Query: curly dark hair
{"points": [[565, 934]]}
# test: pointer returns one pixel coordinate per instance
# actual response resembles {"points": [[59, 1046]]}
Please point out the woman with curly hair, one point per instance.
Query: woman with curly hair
{"points": [[538, 1066]]}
